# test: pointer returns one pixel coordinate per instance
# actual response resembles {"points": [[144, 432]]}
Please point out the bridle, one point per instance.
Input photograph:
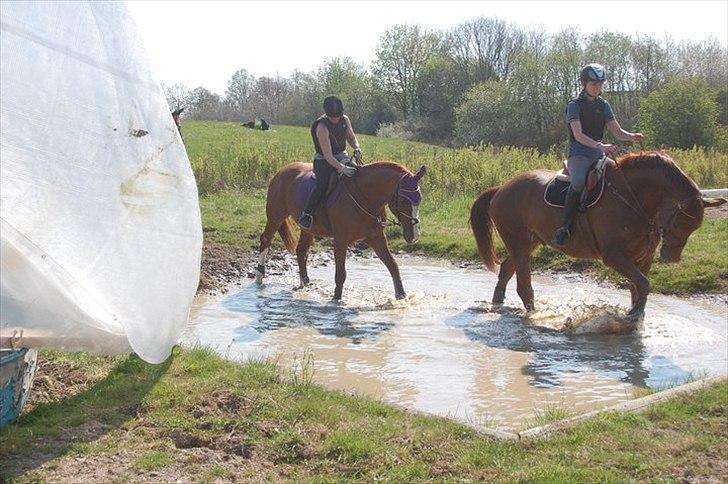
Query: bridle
{"points": [[677, 209], [382, 219]]}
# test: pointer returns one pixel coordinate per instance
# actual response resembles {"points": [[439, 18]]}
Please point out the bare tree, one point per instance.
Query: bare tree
{"points": [[239, 91], [176, 94], [204, 104]]}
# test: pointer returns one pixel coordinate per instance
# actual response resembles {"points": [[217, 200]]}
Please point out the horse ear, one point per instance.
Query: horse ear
{"points": [[714, 202], [420, 173]]}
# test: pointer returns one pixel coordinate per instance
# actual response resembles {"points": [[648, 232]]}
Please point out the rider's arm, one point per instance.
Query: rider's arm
{"points": [[584, 139], [622, 135], [322, 133], [350, 136]]}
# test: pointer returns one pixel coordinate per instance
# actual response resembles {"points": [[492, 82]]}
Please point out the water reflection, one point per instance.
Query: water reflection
{"points": [[619, 356], [274, 308]]}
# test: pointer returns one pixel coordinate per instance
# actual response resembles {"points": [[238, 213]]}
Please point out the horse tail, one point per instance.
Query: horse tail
{"points": [[287, 235], [482, 226]]}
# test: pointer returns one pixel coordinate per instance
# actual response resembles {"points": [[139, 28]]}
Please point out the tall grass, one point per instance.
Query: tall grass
{"points": [[226, 155]]}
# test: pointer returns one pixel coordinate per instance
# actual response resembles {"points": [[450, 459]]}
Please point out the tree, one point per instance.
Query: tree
{"points": [[239, 90], [485, 115], [177, 95], [269, 97], [343, 77], [204, 104], [682, 114], [402, 53]]}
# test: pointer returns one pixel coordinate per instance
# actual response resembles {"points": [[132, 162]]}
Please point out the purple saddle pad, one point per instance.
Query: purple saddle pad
{"points": [[306, 184]]}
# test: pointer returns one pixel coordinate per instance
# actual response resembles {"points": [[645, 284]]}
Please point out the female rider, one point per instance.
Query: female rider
{"points": [[587, 115]]}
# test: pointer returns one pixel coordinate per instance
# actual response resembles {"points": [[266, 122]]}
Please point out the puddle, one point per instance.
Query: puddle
{"points": [[443, 350]]}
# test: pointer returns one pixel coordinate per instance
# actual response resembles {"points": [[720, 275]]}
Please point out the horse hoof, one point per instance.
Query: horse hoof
{"points": [[259, 278], [401, 295], [635, 315]]}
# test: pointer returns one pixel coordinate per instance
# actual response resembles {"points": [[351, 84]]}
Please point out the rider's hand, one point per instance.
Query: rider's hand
{"points": [[347, 170], [608, 148], [638, 137]]}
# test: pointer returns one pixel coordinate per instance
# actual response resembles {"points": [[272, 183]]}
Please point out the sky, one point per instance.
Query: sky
{"points": [[204, 43]]}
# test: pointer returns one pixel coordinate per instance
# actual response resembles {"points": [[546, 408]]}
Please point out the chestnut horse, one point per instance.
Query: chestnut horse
{"points": [[358, 213], [645, 192]]}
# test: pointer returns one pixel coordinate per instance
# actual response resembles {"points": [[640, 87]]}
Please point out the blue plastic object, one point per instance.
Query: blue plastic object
{"points": [[17, 368]]}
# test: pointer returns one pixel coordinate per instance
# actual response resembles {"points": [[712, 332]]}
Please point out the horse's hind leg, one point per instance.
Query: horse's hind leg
{"points": [[380, 247], [304, 244], [507, 269], [266, 239]]}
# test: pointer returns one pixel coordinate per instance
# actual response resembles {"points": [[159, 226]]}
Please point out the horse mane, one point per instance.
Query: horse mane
{"points": [[661, 161], [387, 164]]}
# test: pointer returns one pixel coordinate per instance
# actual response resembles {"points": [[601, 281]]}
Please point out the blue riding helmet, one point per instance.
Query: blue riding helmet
{"points": [[593, 72]]}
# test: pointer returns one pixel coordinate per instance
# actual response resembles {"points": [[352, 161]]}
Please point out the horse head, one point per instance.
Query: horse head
{"points": [[684, 218], [405, 204]]}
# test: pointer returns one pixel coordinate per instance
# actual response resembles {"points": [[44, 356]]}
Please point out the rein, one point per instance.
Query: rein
{"points": [[382, 219]]}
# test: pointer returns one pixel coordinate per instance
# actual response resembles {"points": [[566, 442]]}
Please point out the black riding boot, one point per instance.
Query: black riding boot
{"points": [[570, 205], [306, 219]]}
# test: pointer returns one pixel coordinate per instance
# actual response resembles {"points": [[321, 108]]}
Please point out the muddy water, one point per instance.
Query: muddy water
{"points": [[444, 350]]}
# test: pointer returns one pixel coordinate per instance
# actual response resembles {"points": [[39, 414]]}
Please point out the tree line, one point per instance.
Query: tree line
{"points": [[487, 81]]}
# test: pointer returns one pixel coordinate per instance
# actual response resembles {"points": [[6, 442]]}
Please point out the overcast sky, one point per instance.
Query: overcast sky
{"points": [[204, 43]]}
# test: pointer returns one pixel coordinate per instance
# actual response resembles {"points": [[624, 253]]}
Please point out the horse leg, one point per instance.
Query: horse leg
{"points": [[340, 260], [272, 224], [304, 243], [620, 263], [523, 280], [381, 248], [507, 269]]}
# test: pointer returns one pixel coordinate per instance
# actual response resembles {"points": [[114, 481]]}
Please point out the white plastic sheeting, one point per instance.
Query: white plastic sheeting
{"points": [[100, 222]]}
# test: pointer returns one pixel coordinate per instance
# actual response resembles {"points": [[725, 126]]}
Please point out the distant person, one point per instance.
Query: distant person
{"points": [[587, 115], [177, 116], [263, 125], [330, 132]]}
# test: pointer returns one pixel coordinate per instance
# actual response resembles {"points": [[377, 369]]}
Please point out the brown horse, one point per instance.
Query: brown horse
{"points": [[358, 213], [645, 192]]}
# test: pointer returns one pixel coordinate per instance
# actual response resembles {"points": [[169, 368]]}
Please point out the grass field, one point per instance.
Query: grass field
{"points": [[233, 166], [200, 418]]}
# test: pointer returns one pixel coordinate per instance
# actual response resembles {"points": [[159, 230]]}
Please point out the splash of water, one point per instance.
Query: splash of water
{"points": [[582, 317]]}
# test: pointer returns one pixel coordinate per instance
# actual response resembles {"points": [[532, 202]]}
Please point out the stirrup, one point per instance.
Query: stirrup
{"points": [[561, 236], [306, 221]]}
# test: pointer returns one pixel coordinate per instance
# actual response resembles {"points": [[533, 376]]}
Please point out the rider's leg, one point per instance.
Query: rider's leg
{"points": [[323, 171], [578, 169]]}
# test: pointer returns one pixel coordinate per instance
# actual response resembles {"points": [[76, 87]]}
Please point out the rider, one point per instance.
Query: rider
{"points": [[330, 133], [587, 115]]}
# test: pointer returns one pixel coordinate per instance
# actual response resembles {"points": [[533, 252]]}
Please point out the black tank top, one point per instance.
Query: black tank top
{"points": [[337, 134], [592, 116]]}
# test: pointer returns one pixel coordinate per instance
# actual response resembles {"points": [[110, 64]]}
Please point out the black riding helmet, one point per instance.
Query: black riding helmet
{"points": [[333, 107], [593, 72]]}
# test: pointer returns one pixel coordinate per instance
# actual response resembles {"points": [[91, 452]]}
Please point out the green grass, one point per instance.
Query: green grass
{"points": [[238, 217], [233, 166], [303, 432]]}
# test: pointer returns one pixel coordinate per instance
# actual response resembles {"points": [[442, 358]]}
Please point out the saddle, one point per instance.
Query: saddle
{"points": [[306, 185], [555, 193]]}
